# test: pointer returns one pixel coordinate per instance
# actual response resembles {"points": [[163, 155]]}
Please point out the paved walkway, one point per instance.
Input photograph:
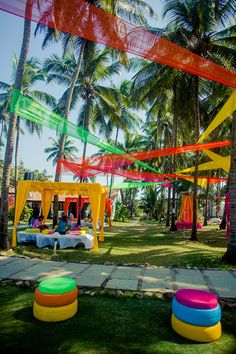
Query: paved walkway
{"points": [[159, 279]]}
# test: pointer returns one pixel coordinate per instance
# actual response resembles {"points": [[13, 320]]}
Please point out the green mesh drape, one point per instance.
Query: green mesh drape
{"points": [[126, 185], [30, 109]]}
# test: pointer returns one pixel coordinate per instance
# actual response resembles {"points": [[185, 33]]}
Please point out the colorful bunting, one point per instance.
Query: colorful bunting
{"points": [[82, 19]]}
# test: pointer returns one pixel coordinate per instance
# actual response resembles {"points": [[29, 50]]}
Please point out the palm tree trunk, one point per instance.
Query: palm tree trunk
{"points": [[63, 137], [223, 221], [57, 179], [132, 202], [17, 154], [230, 255], [173, 226], [86, 127], [168, 208], [11, 135], [206, 205], [112, 176], [195, 192]]}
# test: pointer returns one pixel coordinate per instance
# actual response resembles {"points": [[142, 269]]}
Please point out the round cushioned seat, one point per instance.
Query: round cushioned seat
{"points": [[53, 300], [196, 333], [198, 317], [54, 314], [57, 285], [198, 299]]}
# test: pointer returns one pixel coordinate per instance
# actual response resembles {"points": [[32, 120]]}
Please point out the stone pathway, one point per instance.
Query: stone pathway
{"points": [[160, 279]]}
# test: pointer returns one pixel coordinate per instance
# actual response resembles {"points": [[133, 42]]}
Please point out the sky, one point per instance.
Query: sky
{"points": [[31, 148]]}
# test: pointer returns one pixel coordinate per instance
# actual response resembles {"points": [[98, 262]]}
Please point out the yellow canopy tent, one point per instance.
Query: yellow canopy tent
{"points": [[95, 191]]}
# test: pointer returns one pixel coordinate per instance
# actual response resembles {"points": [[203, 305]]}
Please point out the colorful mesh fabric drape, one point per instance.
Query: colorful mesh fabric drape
{"points": [[228, 108], [87, 21], [127, 185], [30, 109], [78, 169], [218, 162], [114, 161]]}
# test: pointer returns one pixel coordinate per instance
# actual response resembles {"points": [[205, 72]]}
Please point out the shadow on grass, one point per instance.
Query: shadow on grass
{"points": [[139, 243]]}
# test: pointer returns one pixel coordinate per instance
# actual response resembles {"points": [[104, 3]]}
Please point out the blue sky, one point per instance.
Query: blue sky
{"points": [[31, 149]]}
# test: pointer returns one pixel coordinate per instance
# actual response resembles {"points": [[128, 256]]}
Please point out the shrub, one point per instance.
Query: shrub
{"points": [[25, 215], [122, 212]]}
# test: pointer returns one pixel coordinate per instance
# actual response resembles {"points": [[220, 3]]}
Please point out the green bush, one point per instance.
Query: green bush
{"points": [[25, 215], [122, 212]]}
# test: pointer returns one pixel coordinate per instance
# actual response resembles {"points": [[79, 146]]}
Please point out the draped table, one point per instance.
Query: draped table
{"points": [[64, 241]]}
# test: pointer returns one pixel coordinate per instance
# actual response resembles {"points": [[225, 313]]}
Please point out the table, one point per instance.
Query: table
{"points": [[64, 241], [23, 237]]}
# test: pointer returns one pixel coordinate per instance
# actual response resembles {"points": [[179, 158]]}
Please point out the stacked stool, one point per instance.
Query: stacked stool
{"points": [[55, 299], [196, 315]]}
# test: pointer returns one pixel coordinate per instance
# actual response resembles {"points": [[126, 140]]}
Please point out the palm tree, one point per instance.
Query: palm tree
{"points": [[53, 151], [98, 101], [32, 74], [230, 254], [135, 11], [126, 120], [196, 26], [11, 131]]}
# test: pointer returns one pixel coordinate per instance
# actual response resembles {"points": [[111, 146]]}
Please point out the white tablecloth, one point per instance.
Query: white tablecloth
{"points": [[23, 236], [64, 241]]}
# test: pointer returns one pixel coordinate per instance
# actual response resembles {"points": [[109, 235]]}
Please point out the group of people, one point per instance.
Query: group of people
{"points": [[36, 222]]}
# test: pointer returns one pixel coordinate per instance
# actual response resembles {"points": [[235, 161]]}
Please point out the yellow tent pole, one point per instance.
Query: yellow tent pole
{"points": [[22, 192]]}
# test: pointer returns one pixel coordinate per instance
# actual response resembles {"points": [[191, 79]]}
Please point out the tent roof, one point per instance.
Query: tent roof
{"points": [[66, 187]]}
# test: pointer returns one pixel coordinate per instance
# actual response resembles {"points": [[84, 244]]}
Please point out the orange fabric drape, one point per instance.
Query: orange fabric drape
{"points": [[82, 19]]}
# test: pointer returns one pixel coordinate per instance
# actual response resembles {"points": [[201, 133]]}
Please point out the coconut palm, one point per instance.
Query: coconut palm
{"points": [[12, 127], [195, 25], [134, 10], [33, 73], [53, 151]]}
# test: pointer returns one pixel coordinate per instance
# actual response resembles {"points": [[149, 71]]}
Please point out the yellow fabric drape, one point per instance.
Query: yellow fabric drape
{"points": [[22, 193], [47, 196], [218, 162], [202, 182], [102, 214], [223, 161], [228, 108], [95, 200]]}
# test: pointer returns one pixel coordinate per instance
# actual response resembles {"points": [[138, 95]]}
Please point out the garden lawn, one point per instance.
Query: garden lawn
{"points": [[102, 325], [139, 243]]}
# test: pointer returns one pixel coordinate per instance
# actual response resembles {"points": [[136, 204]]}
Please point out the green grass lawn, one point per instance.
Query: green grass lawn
{"points": [[101, 325], [141, 242]]}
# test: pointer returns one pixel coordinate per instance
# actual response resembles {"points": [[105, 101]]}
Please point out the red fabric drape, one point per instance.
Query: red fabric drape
{"points": [[78, 169], [108, 207], [87, 21], [116, 160], [75, 200]]}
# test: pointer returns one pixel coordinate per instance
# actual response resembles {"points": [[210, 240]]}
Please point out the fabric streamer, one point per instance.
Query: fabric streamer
{"points": [[119, 160], [82, 19], [127, 185], [218, 162], [78, 169], [228, 108], [30, 109]]}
